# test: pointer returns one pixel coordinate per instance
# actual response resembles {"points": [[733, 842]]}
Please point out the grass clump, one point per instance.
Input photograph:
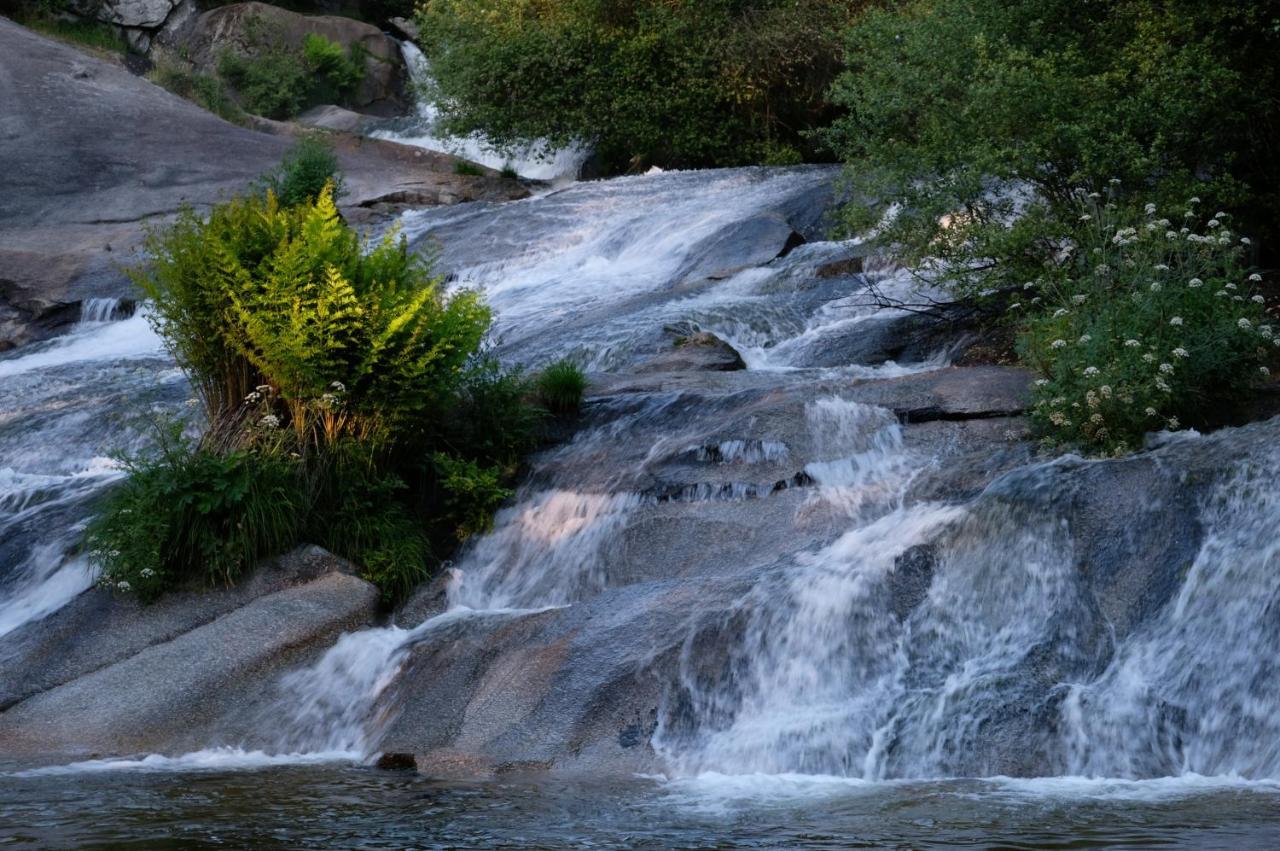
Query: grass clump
{"points": [[560, 387], [95, 35], [206, 90], [351, 401], [468, 169]]}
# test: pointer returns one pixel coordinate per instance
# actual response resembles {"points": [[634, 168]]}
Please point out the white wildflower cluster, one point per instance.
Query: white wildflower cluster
{"points": [[1125, 236], [1090, 371], [270, 421], [1058, 344], [1180, 352], [1132, 344]]}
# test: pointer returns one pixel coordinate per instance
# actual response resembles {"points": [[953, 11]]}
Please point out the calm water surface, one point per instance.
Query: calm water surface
{"points": [[355, 807]]}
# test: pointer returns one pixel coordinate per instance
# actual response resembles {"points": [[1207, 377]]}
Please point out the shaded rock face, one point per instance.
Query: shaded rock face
{"points": [[248, 29], [107, 675]]}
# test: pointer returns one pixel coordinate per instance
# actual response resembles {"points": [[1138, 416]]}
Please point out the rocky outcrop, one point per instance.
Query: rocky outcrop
{"points": [[252, 29], [117, 678], [69, 225], [589, 688], [99, 629], [700, 351]]}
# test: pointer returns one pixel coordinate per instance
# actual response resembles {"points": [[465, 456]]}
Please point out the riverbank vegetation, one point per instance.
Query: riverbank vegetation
{"points": [[686, 83], [1060, 157], [350, 401]]}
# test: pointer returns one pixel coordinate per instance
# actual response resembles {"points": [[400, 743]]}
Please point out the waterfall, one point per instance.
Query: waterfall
{"points": [[878, 627], [80, 393], [536, 161]]}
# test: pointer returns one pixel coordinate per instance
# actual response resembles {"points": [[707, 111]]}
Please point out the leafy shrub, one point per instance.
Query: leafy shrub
{"points": [[346, 391], [489, 418], [335, 71], [469, 169], [307, 168], [976, 120], [1141, 328], [472, 493], [560, 386], [689, 82], [279, 81], [274, 84], [190, 516]]}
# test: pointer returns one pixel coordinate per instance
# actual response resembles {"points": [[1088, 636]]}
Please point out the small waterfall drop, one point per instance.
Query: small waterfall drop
{"points": [[82, 393], [535, 161]]}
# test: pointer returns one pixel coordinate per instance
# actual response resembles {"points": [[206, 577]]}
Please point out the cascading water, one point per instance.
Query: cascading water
{"points": [[535, 162], [88, 394], [845, 620]]}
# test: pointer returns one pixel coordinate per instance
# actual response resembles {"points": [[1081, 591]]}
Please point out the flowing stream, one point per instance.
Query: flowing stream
{"points": [[422, 130], [846, 709]]}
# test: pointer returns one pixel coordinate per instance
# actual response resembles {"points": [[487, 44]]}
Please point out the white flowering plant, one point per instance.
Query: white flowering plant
{"points": [[1145, 323]]}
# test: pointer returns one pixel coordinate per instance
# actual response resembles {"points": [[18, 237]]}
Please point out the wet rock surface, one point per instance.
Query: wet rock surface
{"points": [[193, 662]]}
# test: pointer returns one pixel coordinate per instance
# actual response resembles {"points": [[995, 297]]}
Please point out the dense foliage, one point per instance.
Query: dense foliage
{"points": [[961, 113], [350, 402], [1145, 325], [664, 82], [307, 168], [278, 81], [973, 128]]}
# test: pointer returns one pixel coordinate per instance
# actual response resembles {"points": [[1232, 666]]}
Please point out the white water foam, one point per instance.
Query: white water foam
{"points": [[211, 760], [94, 340], [536, 161]]}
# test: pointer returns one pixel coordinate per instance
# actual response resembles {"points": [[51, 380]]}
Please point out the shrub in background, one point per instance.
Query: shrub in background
{"points": [[976, 120], [689, 82], [1145, 324], [278, 81]]}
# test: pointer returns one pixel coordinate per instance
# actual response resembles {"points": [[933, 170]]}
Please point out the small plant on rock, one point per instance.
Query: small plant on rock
{"points": [[560, 387]]}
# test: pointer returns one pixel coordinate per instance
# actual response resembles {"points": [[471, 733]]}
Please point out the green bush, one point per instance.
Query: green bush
{"points": [[335, 71], [468, 169], [351, 402], [976, 120], [273, 84], [307, 168], [471, 494], [187, 517], [279, 81], [560, 386], [664, 82], [1145, 325]]}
